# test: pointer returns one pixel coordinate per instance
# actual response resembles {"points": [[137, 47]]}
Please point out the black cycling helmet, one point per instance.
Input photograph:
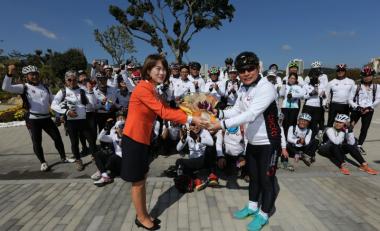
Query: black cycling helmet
{"points": [[273, 66], [246, 60], [228, 60], [195, 65]]}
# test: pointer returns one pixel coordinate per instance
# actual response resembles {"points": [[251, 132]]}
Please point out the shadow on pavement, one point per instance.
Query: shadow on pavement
{"points": [[165, 200]]}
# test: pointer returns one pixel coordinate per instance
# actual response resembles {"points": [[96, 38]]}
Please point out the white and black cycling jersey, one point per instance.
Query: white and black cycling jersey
{"points": [[219, 92], [39, 97], [256, 107], [295, 133], [365, 96], [74, 100], [197, 81], [338, 91]]}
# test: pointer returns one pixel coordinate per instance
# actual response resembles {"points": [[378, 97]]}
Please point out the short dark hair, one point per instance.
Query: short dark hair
{"points": [[152, 61], [295, 75]]}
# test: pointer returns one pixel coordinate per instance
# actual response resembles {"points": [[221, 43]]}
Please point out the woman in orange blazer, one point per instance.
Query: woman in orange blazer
{"points": [[144, 106]]}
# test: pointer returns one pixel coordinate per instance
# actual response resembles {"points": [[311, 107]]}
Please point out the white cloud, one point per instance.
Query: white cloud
{"points": [[89, 22], [286, 47], [335, 33], [32, 26]]}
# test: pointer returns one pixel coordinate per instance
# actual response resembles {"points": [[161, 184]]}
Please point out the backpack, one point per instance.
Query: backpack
{"points": [[24, 97], [184, 183], [359, 87], [83, 97]]}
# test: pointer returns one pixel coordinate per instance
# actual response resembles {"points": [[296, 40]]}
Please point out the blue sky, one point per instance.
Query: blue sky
{"points": [[332, 31]]}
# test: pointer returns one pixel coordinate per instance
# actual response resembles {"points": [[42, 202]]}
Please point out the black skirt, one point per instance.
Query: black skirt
{"points": [[135, 160]]}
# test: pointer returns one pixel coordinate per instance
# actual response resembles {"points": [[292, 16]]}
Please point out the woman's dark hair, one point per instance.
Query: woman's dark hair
{"points": [[295, 75], [150, 62]]}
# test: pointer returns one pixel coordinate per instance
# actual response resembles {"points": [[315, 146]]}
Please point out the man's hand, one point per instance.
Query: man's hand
{"points": [[284, 153], [72, 114], [11, 70], [241, 162]]}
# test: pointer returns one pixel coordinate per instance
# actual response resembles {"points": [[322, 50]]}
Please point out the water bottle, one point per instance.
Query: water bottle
{"points": [[108, 105]]}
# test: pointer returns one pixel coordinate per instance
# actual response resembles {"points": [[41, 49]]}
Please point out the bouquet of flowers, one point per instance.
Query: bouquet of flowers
{"points": [[199, 104]]}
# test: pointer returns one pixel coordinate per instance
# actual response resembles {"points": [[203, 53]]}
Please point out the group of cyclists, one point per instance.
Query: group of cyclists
{"points": [[93, 107]]}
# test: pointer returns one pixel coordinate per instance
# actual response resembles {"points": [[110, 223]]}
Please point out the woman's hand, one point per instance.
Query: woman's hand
{"points": [[201, 122]]}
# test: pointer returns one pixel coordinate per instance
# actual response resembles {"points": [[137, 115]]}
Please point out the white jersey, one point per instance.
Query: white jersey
{"points": [[295, 133], [365, 96], [338, 137], [216, 93], [39, 97], [311, 99], [338, 91], [73, 98], [197, 149], [230, 144], [297, 94], [300, 80], [249, 109], [231, 96], [197, 81], [111, 138], [182, 87]]}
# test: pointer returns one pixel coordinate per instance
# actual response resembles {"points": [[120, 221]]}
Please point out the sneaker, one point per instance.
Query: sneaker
{"points": [[68, 160], [291, 168], [103, 181], [306, 159], [361, 150], [245, 212], [96, 176], [257, 223], [199, 184], [312, 159], [365, 168], [284, 164], [44, 167], [213, 180], [344, 170], [79, 165]]}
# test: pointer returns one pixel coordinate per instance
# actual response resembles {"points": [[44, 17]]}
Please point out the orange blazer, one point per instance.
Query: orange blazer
{"points": [[144, 106]]}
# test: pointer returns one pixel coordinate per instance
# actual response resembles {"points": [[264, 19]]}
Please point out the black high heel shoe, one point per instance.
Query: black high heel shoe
{"points": [[156, 221], [154, 227]]}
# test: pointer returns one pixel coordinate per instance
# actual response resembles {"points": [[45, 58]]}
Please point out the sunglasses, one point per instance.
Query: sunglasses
{"points": [[249, 69], [341, 70], [71, 80], [136, 79]]}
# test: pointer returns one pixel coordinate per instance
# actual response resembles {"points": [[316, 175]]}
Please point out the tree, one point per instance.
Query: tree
{"points": [[149, 21], [117, 41], [72, 59]]}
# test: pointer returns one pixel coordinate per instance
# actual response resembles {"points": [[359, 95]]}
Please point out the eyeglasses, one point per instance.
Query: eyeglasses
{"points": [[136, 79], [71, 80], [249, 69]]}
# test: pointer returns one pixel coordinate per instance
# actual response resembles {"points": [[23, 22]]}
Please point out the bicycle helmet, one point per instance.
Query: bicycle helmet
{"points": [[271, 73], [246, 60], [293, 64], [229, 60], [342, 118], [367, 71], [29, 69], [305, 116], [195, 65], [341, 67], [316, 64], [213, 71], [174, 66], [232, 69]]}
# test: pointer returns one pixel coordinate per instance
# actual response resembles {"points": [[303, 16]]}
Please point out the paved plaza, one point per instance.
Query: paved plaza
{"points": [[315, 198]]}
